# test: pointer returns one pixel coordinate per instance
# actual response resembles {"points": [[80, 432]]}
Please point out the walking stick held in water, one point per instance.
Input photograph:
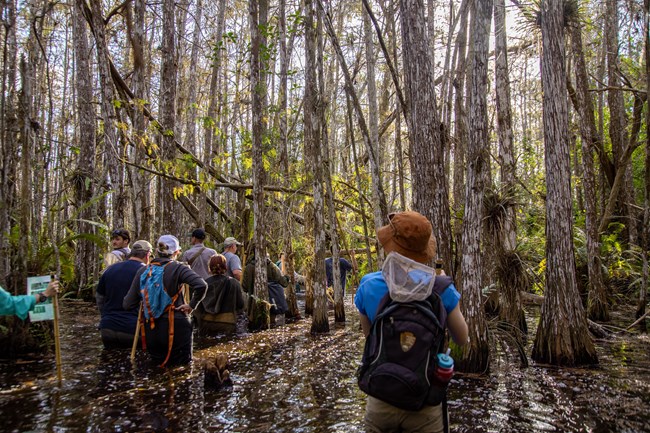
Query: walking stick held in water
{"points": [[137, 334], [57, 339]]}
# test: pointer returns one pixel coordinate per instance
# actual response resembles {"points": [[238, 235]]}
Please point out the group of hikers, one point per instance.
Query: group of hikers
{"points": [[405, 309], [158, 292], [176, 292]]}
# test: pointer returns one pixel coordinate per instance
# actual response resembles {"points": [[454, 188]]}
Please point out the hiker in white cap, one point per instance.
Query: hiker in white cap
{"points": [[167, 325]]}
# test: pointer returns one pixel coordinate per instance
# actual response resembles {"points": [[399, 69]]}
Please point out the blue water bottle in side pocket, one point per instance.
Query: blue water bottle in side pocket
{"points": [[445, 368]]}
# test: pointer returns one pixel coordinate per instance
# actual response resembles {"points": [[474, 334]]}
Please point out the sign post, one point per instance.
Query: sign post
{"points": [[48, 310]]}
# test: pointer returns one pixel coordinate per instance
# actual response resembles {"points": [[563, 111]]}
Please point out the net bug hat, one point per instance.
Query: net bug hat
{"points": [[409, 234], [168, 244]]}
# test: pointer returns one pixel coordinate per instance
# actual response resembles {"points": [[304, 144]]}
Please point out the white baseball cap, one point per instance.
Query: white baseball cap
{"points": [[168, 244]]}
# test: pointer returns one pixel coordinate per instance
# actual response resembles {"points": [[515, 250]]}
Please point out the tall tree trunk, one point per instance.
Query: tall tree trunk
{"points": [[258, 16], [643, 290], [190, 125], [112, 151], [562, 335], [476, 354], [510, 309], [8, 128], [380, 211], [504, 119], [26, 150], [373, 117], [597, 308], [287, 233], [357, 177], [617, 118], [460, 134], [213, 99], [167, 219], [430, 195], [339, 306], [84, 177], [142, 182], [312, 101]]}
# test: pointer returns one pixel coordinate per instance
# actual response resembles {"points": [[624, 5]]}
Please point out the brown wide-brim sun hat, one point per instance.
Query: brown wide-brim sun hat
{"points": [[409, 234]]}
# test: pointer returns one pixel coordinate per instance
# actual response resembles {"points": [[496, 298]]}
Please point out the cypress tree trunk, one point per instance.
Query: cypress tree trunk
{"points": [[510, 309], [476, 354], [111, 148], [597, 305], [142, 182], [287, 233], [430, 196], [8, 128], [562, 335], [460, 135], [312, 133], [168, 81], [84, 177], [260, 313]]}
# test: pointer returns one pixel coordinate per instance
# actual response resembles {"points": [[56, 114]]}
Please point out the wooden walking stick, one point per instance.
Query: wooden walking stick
{"points": [[137, 334], [57, 339]]}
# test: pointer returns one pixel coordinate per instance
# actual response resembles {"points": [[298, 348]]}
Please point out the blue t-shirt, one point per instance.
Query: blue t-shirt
{"points": [[113, 286], [233, 263], [373, 287]]}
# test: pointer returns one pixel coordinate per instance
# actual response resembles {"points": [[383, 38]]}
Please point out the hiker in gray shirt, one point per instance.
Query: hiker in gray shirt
{"points": [[234, 263], [198, 256]]}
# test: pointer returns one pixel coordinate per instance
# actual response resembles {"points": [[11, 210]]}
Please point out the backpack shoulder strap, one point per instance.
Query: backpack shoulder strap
{"points": [[441, 283], [196, 256]]}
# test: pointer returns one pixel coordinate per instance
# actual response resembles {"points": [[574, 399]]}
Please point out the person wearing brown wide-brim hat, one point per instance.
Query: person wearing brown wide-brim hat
{"points": [[409, 234]]}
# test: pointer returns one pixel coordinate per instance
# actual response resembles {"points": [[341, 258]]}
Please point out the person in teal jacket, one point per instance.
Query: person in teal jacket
{"points": [[20, 305]]}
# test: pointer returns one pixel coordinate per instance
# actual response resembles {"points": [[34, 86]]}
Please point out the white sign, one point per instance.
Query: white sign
{"points": [[42, 310]]}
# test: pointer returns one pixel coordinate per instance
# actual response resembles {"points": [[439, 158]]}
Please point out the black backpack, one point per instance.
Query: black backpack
{"points": [[400, 354]]}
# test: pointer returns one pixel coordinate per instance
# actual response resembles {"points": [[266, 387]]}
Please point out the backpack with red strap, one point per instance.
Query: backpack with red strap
{"points": [[156, 301]]}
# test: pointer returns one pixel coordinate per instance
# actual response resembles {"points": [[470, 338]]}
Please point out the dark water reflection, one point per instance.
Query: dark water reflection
{"points": [[286, 380]]}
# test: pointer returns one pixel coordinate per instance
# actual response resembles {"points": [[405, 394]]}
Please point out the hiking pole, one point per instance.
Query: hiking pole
{"points": [[137, 334], [57, 339]]}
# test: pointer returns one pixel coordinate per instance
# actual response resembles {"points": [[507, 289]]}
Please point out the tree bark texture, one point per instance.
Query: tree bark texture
{"points": [[504, 120], [8, 134], [430, 196], [111, 148], [597, 305], [476, 354], [562, 335], [168, 83], [617, 116], [312, 119], [84, 178], [510, 309], [258, 92]]}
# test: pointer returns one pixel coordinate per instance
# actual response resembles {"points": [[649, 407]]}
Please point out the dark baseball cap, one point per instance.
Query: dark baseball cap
{"points": [[198, 233]]}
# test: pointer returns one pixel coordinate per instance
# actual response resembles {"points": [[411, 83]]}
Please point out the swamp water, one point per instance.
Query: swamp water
{"points": [[286, 380]]}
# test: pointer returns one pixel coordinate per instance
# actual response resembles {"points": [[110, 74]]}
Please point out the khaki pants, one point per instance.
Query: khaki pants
{"points": [[382, 417]]}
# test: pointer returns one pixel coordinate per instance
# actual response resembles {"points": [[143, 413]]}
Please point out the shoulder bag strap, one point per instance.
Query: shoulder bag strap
{"points": [[195, 256]]}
